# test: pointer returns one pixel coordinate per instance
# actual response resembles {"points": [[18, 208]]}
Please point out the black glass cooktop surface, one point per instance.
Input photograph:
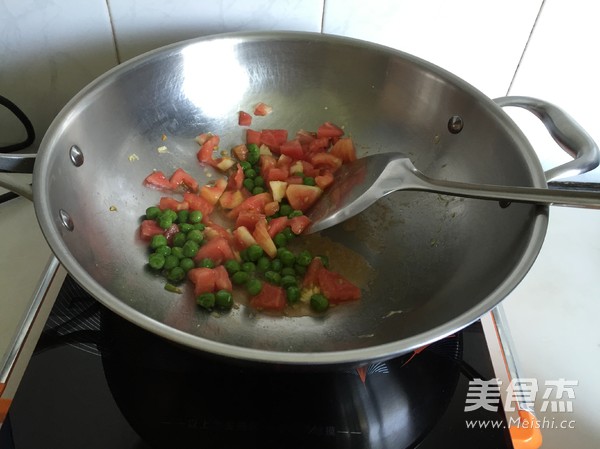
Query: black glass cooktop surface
{"points": [[96, 381]]}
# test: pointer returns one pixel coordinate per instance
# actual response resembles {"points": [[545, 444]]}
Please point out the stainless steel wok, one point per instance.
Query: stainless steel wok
{"points": [[439, 262]]}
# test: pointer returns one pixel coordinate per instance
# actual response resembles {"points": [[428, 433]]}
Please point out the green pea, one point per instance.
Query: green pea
{"points": [[163, 250], [300, 270], [190, 248], [255, 252], [304, 258], [165, 222], [152, 213], [285, 210], [254, 287], [288, 233], [249, 184], [289, 281], [309, 181], [232, 266], [259, 181], [206, 300], [318, 302], [249, 267], [171, 261], [223, 300], [280, 240], [293, 294], [287, 258], [253, 153], [288, 271], [186, 227], [245, 165], [195, 216], [177, 251], [199, 227], [179, 239], [276, 265], [169, 213], [156, 261], [250, 173], [295, 213], [195, 236], [182, 216], [187, 264], [240, 278], [258, 190], [244, 255], [263, 264], [176, 274], [206, 263], [158, 241], [273, 277]]}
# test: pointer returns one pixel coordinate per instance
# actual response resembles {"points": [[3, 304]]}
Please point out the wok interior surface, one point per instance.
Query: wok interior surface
{"points": [[439, 262]]}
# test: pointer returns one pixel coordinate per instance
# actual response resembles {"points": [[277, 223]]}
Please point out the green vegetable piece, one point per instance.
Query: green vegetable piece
{"points": [[255, 252], [276, 265], [259, 181], [232, 266], [244, 255], [280, 240], [172, 288], [287, 258], [185, 227], [195, 236], [195, 216], [273, 277], [285, 210], [171, 261], [293, 294], [249, 267], [309, 181], [163, 250], [288, 271], [250, 173], [240, 277], [165, 222], [176, 274], [300, 270], [295, 213], [158, 241], [206, 300], [318, 302], [182, 216], [170, 213], [245, 165], [152, 213], [223, 300], [199, 227], [249, 184], [254, 287], [156, 261], [179, 239], [289, 281], [253, 153], [288, 233], [206, 263], [258, 190], [190, 248], [187, 264], [263, 264], [304, 258], [177, 251]]}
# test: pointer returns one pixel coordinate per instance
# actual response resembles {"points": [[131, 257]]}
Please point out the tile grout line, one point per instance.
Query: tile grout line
{"points": [[535, 22], [112, 29]]}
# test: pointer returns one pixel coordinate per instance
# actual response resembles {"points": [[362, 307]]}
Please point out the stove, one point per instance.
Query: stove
{"points": [[95, 380]]}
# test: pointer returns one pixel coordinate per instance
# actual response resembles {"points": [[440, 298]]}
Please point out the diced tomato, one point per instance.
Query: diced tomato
{"points": [[344, 149], [262, 237], [337, 288], [255, 203], [271, 297], [299, 224], [166, 202], [301, 196], [273, 138], [222, 281], [201, 138], [319, 145], [266, 162], [217, 250], [253, 136], [213, 193], [214, 230], [248, 218], [196, 202], [308, 169], [181, 177], [205, 154], [262, 109], [276, 225], [305, 137], [295, 180], [328, 129], [204, 280], [324, 180], [284, 161], [293, 149], [326, 160], [244, 119], [158, 180], [231, 199], [149, 228], [236, 179], [271, 208], [240, 152], [276, 174], [243, 237], [311, 278]]}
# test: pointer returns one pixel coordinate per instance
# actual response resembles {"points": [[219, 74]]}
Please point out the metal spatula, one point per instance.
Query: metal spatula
{"points": [[359, 184]]}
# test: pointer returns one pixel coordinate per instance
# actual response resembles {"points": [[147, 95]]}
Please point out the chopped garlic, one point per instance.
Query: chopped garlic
{"points": [[162, 149], [133, 157], [112, 208]]}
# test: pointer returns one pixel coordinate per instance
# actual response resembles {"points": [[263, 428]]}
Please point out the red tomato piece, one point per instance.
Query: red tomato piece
{"points": [[244, 119], [329, 130], [305, 137], [308, 169], [293, 149], [271, 208], [267, 162], [262, 109], [217, 250], [344, 149], [311, 278], [337, 288], [196, 202], [268, 138], [262, 237], [248, 218], [214, 230], [231, 199], [276, 225], [240, 152], [158, 180], [253, 136], [181, 177], [319, 145], [276, 174], [222, 281], [326, 160], [204, 280], [255, 203], [201, 138], [301, 196], [295, 180], [236, 179], [166, 202], [299, 224], [271, 297], [324, 180], [149, 228], [205, 154], [213, 193]]}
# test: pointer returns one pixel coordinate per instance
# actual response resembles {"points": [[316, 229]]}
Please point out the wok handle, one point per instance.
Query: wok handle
{"points": [[565, 131]]}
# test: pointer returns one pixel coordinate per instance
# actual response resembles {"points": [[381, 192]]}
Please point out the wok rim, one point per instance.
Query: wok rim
{"points": [[46, 220]]}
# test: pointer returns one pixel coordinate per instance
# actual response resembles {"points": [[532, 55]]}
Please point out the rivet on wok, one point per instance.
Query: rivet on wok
{"points": [[76, 155], [66, 220], [455, 124]]}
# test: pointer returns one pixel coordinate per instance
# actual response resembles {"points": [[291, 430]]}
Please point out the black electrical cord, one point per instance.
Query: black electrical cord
{"points": [[26, 123]]}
